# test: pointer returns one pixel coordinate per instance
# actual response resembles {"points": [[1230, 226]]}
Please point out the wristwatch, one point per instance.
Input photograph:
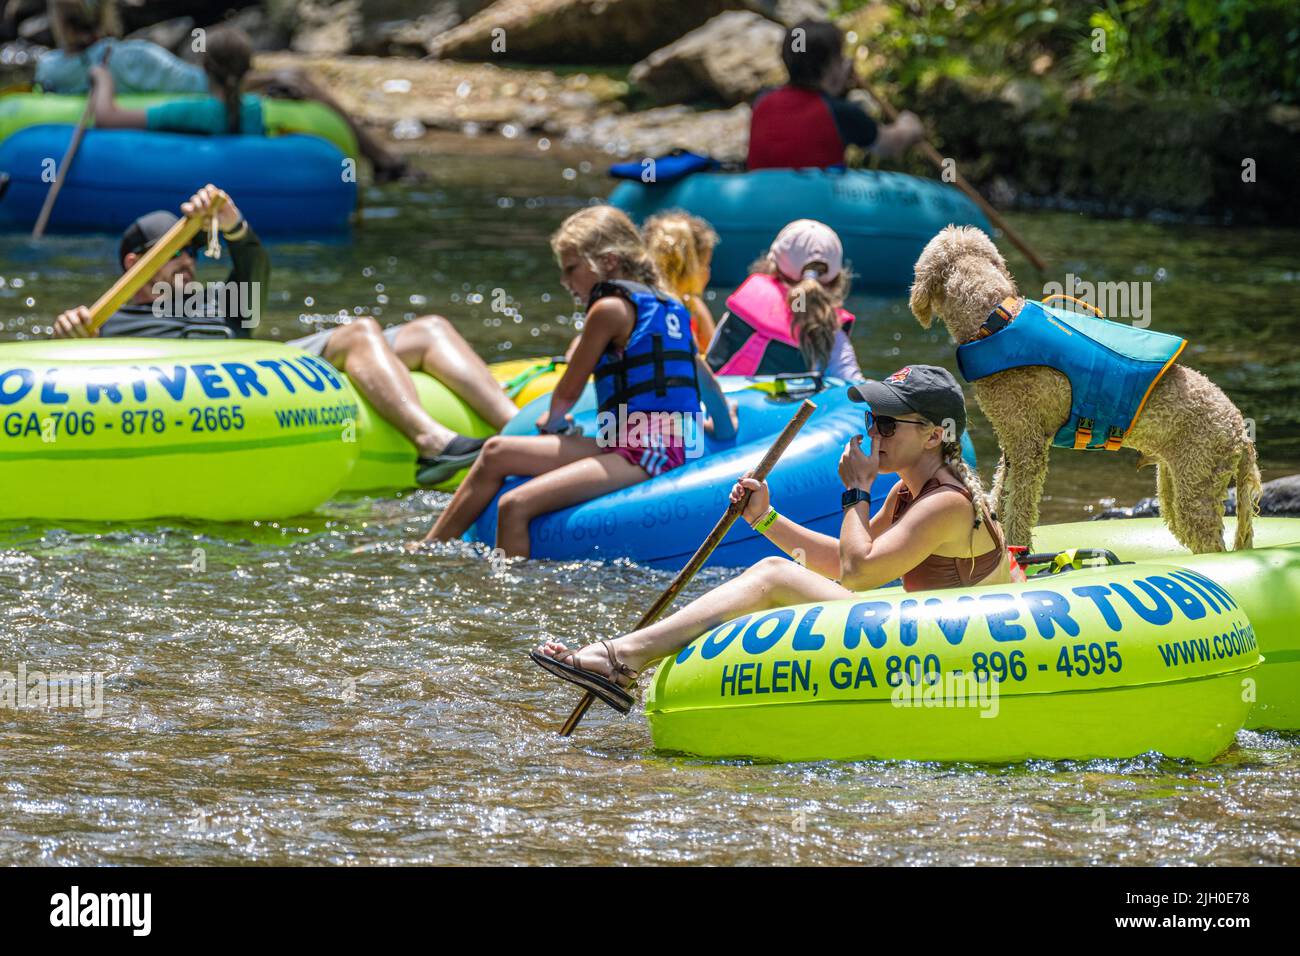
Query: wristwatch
{"points": [[852, 496]]}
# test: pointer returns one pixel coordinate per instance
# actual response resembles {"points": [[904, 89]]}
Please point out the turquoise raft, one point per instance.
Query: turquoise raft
{"points": [[1173, 653], [660, 522], [884, 219]]}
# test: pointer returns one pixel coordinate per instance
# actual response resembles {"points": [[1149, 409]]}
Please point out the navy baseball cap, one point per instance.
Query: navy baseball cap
{"points": [[925, 390], [147, 230]]}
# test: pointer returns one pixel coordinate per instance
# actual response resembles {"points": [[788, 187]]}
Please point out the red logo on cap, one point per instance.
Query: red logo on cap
{"points": [[901, 374]]}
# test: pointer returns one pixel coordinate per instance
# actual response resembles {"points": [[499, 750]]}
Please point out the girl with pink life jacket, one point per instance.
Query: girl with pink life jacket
{"points": [[788, 316]]}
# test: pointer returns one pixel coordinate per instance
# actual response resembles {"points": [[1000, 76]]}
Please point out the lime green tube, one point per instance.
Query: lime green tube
{"points": [[1141, 539], [20, 110], [125, 429], [1161, 655], [387, 459], [1274, 600]]}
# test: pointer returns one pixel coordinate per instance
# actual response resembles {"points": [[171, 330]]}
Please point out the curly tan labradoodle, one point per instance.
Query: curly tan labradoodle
{"points": [[1188, 428]]}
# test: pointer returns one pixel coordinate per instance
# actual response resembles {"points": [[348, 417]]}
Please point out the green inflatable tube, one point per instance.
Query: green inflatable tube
{"points": [[1113, 661], [1274, 601], [21, 110], [386, 459], [126, 429]]}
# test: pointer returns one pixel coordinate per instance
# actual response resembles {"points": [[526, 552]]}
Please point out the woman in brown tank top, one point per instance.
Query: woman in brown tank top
{"points": [[933, 531]]}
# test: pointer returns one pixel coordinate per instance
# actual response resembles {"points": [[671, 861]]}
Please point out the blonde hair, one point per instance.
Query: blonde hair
{"points": [[815, 324], [678, 243], [599, 231]]}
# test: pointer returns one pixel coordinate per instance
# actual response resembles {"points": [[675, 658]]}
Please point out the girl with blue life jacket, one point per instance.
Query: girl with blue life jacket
{"points": [[636, 340], [788, 316]]}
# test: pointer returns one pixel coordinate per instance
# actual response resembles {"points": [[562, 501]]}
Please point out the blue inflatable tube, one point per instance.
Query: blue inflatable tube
{"points": [[285, 185], [884, 219], [660, 522]]}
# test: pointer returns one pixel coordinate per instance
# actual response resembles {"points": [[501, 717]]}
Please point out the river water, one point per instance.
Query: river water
{"points": [[268, 697]]}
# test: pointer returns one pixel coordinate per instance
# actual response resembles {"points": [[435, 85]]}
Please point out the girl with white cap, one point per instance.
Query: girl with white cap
{"points": [[788, 316]]}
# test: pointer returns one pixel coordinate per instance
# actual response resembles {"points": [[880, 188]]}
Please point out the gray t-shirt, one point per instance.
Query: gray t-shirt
{"points": [[138, 66]]}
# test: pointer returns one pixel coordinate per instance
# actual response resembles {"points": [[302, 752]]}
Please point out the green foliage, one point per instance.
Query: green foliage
{"points": [[1239, 50]]}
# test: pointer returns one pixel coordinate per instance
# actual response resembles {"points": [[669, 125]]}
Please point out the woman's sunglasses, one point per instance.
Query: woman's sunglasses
{"points": [[887, 426]]}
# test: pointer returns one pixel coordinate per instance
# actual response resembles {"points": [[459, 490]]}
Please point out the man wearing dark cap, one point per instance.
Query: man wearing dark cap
{"points": [[161, 309], [378, 361]]}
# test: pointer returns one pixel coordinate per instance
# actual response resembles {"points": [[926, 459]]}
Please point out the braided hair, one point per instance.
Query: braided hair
{"points": [[952, 459], [227, 60]]}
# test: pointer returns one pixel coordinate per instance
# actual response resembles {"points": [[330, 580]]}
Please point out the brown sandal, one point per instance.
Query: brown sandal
{"points": [[609, 692]]}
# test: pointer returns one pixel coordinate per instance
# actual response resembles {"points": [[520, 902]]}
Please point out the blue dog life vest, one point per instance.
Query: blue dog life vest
{"points": [[656, 372], [1112, 367]]}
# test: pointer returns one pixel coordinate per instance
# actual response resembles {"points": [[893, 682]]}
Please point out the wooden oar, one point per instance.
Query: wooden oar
{"points": [[173, 240], [933, 155], [715, 537], [68, 156], [61, 173]]}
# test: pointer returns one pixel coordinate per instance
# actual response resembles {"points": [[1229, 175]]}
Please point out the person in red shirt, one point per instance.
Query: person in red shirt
{"points": [[808, 122]]}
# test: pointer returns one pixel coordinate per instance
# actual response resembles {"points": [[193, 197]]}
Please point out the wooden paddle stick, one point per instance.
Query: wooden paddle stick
{"points": [[960, 181], [715, 537], [69, 155], [173, 240], [61, 174]]}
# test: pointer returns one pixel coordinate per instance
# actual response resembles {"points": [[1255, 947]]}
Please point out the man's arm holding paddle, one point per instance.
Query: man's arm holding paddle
{"points": [[85, 321]]}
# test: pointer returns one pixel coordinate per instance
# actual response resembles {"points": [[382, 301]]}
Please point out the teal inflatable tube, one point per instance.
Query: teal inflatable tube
{"points": [[660, 522], [884, 219]]}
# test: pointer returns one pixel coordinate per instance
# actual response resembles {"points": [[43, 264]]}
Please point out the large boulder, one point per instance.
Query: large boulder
{"points": [[327, 29], [726, 61], [375, 27], [790, 12], [575, 31], [174, 35]]}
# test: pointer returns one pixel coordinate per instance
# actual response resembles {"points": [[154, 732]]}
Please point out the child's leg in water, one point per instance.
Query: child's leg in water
{"points": [[573, 483], [502, 456]]}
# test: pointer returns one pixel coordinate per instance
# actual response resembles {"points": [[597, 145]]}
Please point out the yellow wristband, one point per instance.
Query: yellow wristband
{"points": [[765, 522]]}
